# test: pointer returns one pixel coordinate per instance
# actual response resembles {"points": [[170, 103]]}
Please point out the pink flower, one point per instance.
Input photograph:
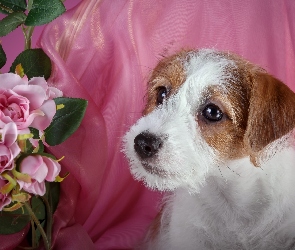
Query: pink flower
{"points": [[9, 148], [51, 92], [5, 199], [41, 169], [26, 103]]}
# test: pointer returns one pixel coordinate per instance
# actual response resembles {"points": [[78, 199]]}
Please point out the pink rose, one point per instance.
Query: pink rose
{"points": [[41, 169], [5, 199], [26, 103], [51, 92], [9, 148]]}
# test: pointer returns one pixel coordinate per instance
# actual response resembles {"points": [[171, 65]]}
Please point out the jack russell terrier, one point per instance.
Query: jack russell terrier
{"points": [[217, 132]]}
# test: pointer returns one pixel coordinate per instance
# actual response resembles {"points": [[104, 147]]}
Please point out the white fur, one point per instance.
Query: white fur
{"points": [[215, 205], [185, 156], [244, 208]]}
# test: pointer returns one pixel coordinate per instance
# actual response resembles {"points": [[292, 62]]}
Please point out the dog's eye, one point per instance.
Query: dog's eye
{"points": [[161, 95], [212, 113]]}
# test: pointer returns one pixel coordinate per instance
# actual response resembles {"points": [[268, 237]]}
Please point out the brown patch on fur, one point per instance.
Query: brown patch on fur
{"points": [[271, 111], [261, 113], [227, 135], [258, 108], [169, 73]]}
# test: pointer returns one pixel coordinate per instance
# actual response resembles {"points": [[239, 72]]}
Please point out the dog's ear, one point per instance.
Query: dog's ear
{"points": [[271, 112]]}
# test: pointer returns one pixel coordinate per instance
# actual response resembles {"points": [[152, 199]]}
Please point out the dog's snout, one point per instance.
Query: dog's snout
{"points": [[147, 145]]}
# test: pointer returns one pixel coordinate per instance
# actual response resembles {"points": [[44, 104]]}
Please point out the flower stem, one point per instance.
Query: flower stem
{"points": [[35, 219], [28, 32], [48, 217], [34, 243]]}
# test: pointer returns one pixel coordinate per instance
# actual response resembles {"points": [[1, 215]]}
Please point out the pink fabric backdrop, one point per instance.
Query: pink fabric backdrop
{"points": [[103, 51]]}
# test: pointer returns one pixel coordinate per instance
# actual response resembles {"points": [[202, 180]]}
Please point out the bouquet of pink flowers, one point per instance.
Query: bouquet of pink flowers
{"points": [[33, 116], [23, 105]]}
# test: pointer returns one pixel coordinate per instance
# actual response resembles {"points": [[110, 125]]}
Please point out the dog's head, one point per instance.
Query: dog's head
{"points": [[203, 108]]}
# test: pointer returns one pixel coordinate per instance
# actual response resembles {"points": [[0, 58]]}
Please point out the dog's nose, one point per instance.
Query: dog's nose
{"points": [[147, 145]]}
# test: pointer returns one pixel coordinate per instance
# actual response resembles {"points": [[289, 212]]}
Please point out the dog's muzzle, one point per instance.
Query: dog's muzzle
{"points": [[147, 145]]}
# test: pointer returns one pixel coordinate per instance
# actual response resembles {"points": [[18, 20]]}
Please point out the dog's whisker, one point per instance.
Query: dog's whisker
{"points": [[233, 171], [262, 170], [220, 171], [145, 66]]}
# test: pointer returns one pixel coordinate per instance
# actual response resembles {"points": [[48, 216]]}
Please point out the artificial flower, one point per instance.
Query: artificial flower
{"points": [[41, 169], [51, 92], [9, 148], [25, 104]]}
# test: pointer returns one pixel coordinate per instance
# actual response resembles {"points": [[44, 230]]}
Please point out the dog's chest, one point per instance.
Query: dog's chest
{"points": [[222, 218], [211, 217]]}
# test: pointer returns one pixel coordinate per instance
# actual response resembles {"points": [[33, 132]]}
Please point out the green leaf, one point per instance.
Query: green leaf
{"points": [[11, 22], [7, 6], [44, 11], [34, 62], [38, 208], [52, 194], [66, 120], [41, 147], [35, 133], [29, 147], [13, 222], [3, 57]]}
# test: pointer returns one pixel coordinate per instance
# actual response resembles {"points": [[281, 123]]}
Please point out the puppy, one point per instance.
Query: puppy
{"points": [[217, 132]]}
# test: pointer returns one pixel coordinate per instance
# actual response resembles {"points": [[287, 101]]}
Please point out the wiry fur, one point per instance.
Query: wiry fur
{"points": [[220, 201]]}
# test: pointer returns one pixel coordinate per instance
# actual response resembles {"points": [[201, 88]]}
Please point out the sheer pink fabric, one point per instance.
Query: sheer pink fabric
{"points": [[103, 51]]}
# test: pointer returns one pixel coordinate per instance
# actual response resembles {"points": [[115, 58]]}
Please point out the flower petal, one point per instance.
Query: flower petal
{"points": [[35, 167], [40, 188], [35, 94], [39, 81], [49, 110], [53, 168], [28, 122], [35, 188], [6, 159], [9, 134], [10, 80], [53, 92], [4, 120], [41, 173], [4, 201]]}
